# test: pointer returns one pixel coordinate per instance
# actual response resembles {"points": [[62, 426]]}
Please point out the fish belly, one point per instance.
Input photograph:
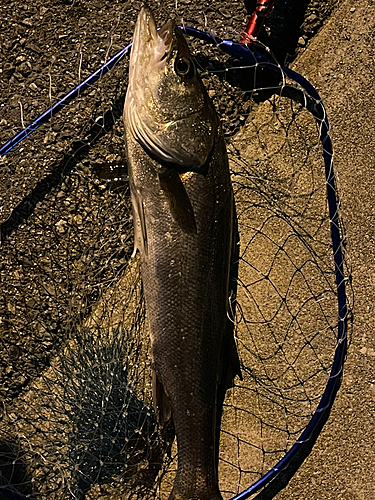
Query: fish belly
{"points": [[185, 279]]}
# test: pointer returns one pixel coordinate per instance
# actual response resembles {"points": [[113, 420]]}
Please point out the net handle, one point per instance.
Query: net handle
{"points": [[255, 23], [67, 99]]}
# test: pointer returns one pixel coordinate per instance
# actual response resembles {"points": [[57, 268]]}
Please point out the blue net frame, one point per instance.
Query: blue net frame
{"points": [[314, 104]]}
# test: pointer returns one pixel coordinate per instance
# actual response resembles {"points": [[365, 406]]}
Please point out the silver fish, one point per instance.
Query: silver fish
{"points": [[183, 212]]}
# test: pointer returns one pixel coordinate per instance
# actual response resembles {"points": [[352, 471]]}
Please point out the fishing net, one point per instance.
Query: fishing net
{"points": [[76, 415]]}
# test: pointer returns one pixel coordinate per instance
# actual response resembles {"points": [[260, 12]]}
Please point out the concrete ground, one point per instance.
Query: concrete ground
{"points": [[340, 62]]}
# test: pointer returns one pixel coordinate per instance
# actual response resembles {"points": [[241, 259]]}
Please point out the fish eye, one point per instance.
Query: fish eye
{"points": [[184, 67]]}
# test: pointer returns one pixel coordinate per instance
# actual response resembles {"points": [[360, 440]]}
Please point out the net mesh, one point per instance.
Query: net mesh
{"points": [[76, 418]]}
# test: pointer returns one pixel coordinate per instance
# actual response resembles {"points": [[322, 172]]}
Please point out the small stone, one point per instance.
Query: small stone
{"points": [[8, 69], [61, 226], [312, 18], [25, 68], [371, 352], [22, 380], [352, 10], [225, 13], [31, 302], [27, 22], [301, 41], [8, 44], [56, 127], [33, 86], [82, 21], [363, 350], [50, 135], [78, 219], [20, 29], [33, 47]]}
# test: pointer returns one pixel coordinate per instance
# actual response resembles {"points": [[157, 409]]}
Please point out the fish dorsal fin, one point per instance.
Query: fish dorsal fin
{"points": [[178, 200]]}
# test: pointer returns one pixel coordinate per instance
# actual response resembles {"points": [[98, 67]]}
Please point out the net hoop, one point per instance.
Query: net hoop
{"points": [[314, 104]]}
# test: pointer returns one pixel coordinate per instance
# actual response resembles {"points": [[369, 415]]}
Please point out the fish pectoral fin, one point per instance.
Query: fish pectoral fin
{"points": [[140, 233], [178, 200], [162, 404]]}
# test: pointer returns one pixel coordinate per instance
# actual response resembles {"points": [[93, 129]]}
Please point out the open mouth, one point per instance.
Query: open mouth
{"points": [[146, 34]]}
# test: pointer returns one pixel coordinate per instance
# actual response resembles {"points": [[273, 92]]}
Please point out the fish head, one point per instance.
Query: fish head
{"points": [[167, 108]]}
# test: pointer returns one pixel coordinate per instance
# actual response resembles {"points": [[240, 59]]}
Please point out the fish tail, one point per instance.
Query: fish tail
{"points": [[186, 487]]}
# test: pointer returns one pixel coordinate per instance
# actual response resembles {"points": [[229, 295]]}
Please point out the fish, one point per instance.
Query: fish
{"points": [[185, 232]]}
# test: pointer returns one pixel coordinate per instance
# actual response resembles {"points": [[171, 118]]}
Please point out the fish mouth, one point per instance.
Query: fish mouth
{"points": [[165, 135], [145, 29], [157, 43], [148, 38]]}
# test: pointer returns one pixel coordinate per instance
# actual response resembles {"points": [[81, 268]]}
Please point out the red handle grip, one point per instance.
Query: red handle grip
{"points": [[256, 20]]}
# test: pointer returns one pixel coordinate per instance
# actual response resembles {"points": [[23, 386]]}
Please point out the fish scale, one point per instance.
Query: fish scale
{"points": [[183, 230]]}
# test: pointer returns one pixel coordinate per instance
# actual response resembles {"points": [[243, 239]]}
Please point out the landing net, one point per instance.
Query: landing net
{"points": [[76, 416]]}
